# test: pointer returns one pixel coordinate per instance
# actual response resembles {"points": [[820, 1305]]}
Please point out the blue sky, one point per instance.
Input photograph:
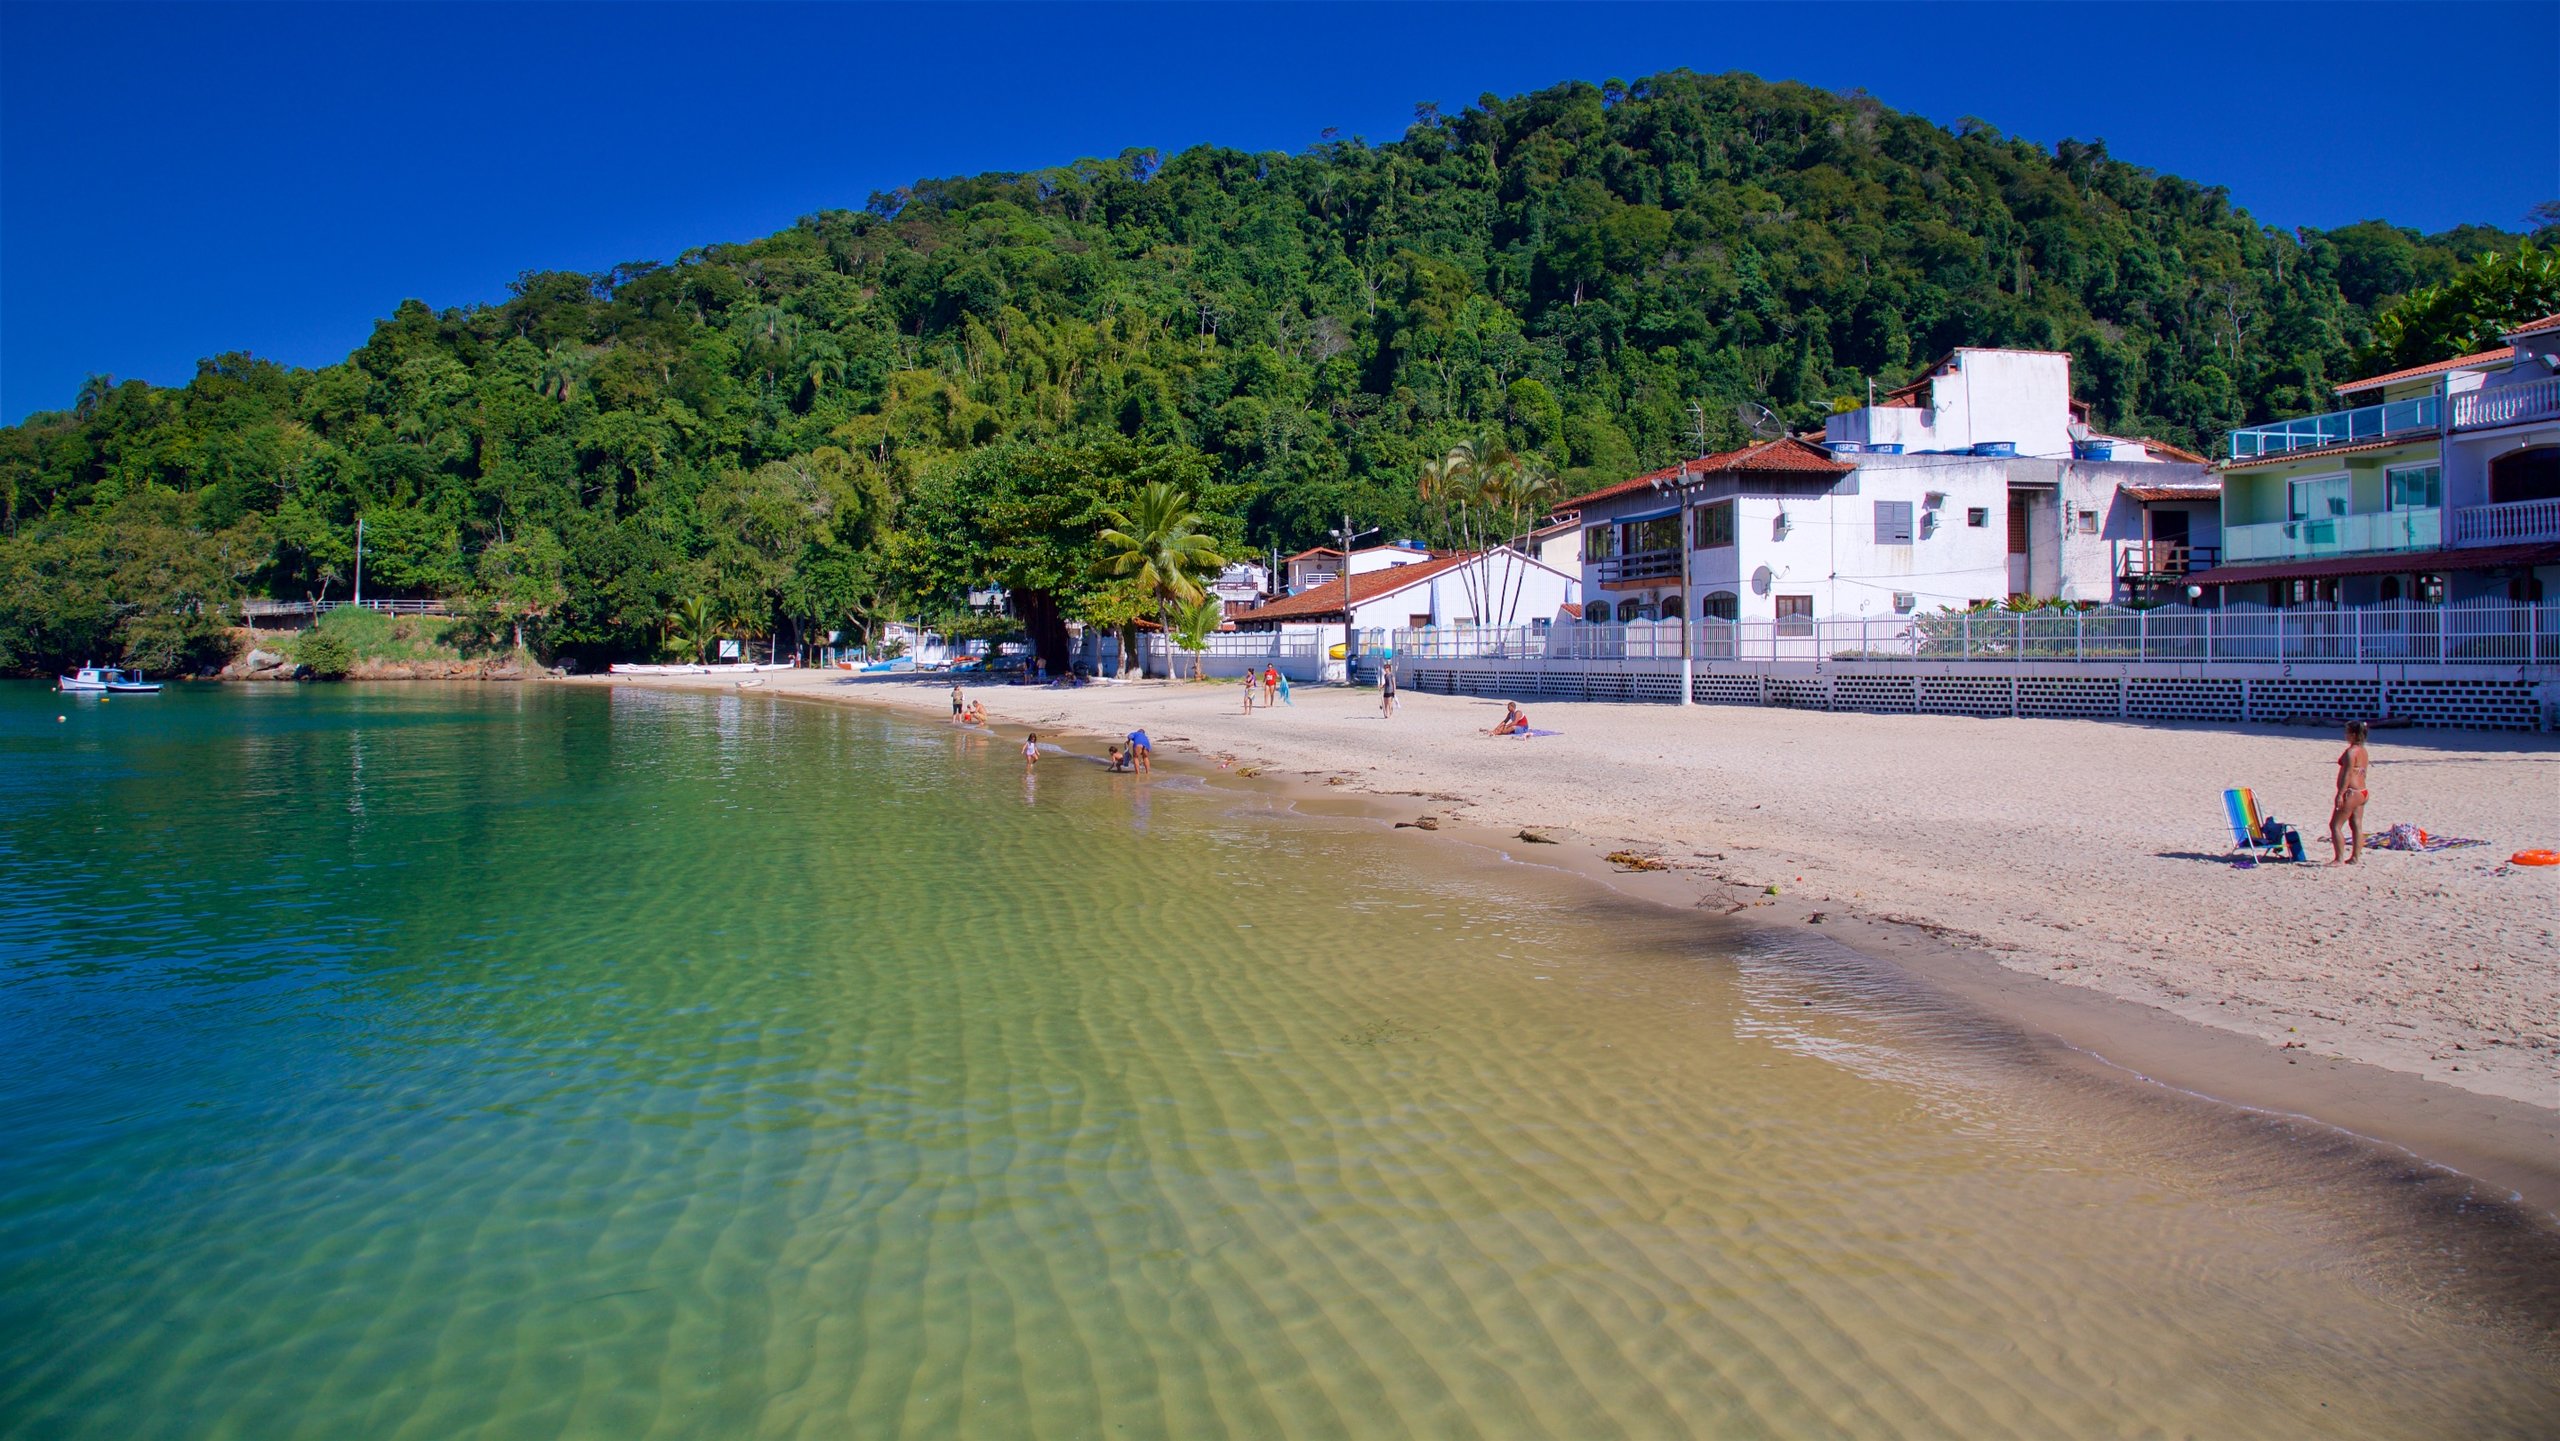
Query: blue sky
{"points": [[176, 182]]}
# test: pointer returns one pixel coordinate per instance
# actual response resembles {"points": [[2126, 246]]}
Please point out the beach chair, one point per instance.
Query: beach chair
{"points": [[2253, 835]]}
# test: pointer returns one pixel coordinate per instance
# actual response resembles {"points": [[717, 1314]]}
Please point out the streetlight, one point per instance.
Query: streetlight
{"points": [[1346, 538]]}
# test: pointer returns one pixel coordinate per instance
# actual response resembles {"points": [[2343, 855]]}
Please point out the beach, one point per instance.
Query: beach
{"points": [[2085, 853]]}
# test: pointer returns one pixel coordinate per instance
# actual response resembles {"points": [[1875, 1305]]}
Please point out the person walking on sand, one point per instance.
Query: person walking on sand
{"points": [[1142, 754], [1270, 686], [1387, 691], [2347, 808], [1248, 692]]}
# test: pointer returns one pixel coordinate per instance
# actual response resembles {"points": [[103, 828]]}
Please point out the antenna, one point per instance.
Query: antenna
{"points": [[1759, 420], [1698, 418]]}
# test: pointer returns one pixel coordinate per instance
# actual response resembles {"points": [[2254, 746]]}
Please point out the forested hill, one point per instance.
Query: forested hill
{"points": [[1567, 271]]}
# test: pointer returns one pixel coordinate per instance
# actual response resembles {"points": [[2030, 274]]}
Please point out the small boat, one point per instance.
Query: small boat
{"points": [[107, 680]]}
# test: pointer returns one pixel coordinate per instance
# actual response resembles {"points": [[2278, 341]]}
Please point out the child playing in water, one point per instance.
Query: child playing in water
{"points": [[1031, 749]]}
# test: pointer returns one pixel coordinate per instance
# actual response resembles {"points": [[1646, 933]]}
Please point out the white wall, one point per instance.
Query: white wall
{"points": [[2020, 396], [1447, 599]]}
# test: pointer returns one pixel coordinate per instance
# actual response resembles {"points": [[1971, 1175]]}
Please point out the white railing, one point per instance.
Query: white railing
{"points": [[2485, 631], [279, 609], [2514, 520], [2507, 404], [1299, 656], [2333, 535]]}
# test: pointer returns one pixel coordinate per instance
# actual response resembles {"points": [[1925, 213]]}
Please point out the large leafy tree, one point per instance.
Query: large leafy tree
{"points": [[2469, 312]]}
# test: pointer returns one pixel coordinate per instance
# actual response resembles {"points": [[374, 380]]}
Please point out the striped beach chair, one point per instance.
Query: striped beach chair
{"points": [[2253, 837]]}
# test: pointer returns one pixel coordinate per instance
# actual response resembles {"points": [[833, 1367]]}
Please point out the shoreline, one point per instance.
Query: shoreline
{"points": [[2499, 1135]]}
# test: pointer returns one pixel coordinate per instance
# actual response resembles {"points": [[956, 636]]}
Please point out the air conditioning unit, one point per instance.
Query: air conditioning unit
{"points": [[1904, 602]]}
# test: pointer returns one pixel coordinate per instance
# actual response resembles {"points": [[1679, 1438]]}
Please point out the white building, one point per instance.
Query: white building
{"points": [[1321, 566], [1397, 588], [1242, 585], [1978, 482]]}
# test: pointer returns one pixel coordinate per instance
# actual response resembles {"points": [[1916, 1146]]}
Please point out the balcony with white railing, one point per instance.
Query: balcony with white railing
{"points": [[2516, 521], [1644, 567], [2507, 404], [2333, 535], [2343, 427]]}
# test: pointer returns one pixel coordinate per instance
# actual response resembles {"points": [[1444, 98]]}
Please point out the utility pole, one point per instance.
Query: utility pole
{"points": [[359, 562], [1347, 538], [1698, 418]]}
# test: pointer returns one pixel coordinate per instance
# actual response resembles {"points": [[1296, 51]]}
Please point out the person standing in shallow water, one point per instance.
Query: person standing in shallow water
{"points": [[2347, 808], [957, 704]]}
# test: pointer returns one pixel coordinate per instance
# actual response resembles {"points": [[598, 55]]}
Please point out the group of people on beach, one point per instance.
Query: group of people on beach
{"points": [[966, 712]]}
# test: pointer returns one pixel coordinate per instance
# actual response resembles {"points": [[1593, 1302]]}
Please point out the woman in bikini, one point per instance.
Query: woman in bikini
{"points": [[2348, 807]]}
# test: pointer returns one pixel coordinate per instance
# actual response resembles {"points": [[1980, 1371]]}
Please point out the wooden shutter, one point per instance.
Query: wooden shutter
{"points": [[1893, 522]]}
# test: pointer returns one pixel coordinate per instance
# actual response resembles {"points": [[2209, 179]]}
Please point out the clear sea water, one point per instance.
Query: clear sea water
{"points": [[425, 1062]]}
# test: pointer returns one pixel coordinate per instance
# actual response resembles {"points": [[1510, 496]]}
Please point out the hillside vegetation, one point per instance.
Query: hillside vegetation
{"points": [[1596, 276]]}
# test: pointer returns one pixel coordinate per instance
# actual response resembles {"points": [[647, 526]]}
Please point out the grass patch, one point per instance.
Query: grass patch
{"points": [[371, 636]]}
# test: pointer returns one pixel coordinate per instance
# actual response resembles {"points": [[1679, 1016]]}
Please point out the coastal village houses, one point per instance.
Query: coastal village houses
{"points": [[1404, 587], [1979, 481], [2439, 483]]}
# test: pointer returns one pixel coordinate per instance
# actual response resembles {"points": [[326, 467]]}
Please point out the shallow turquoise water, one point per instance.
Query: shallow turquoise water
{"points": [[533, 1062]]}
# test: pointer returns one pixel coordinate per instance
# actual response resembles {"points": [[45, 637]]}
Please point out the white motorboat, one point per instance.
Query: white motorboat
{"points": [[107, 680]]}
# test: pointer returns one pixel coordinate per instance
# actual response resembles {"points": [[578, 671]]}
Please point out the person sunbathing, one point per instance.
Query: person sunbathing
{"points": [[1514, 721]]}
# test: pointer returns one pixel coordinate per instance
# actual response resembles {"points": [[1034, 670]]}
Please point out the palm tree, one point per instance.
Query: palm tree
{"points": [[696, 622], [1193, 625], [1158, 543]]}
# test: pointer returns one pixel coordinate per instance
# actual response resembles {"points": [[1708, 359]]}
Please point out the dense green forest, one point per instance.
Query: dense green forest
{"points": [[841, 420]]}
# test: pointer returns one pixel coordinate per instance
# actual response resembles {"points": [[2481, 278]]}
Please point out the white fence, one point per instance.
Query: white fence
{"points": [[1297, 655], [2478, 632], [2481, 665], [255, 610]]}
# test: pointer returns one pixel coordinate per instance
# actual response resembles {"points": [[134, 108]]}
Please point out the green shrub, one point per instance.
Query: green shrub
{"points": [[326, 652]]}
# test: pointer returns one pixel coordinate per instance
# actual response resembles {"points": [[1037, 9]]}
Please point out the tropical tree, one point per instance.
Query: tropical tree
{"points": [[1193, 624], [1158, 541], [694, 624], [519, 580], [2468, 313]]}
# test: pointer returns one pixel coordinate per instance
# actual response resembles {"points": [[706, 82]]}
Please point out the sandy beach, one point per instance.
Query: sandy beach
{"points": [[2082, 852]]}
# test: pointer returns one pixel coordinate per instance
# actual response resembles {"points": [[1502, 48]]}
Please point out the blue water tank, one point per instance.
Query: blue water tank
{"points": [[1846, 447], [2093, 450], [1995, 447], [1893, 448]]}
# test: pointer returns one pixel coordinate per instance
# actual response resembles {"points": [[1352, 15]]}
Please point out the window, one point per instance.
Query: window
{"points": [[1418, 622], [1893, 522], [1720, 605], [2088, 522], [2419, 487], [1978, 517], [1599, 542], [1630, 610], [1648, 537], [2322, 499], [1715, 525], [1795, 615]]}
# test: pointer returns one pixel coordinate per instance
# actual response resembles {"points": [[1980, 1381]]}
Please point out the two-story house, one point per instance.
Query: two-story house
{"points": [[1977, 482], [2440, 483]]}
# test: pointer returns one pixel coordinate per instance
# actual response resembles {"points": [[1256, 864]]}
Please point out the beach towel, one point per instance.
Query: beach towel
{"points": [[1284, 694], [2406, 837], [1538, 733]]}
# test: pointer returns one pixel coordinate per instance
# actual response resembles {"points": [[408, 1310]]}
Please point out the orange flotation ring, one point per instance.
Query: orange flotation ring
{"points": [[2536, 858]]}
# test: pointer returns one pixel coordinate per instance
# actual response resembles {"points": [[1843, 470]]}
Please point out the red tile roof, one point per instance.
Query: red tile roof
{"points": [[2535, 327], [2403, 562], [2486, 357], [1325, 600], [2207, 489], [2322, 452], [1785, 456]]}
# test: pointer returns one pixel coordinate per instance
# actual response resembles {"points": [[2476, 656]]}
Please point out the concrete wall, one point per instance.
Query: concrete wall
{"points": [[2023, 397]]}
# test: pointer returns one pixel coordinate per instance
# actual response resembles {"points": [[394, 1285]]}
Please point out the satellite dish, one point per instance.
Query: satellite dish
{"points": [[2079, 429], [1757, 419], [1760, 580]]}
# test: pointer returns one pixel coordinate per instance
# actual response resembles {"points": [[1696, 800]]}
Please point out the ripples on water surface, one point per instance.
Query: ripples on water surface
{"points": [[413, 1062]]}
